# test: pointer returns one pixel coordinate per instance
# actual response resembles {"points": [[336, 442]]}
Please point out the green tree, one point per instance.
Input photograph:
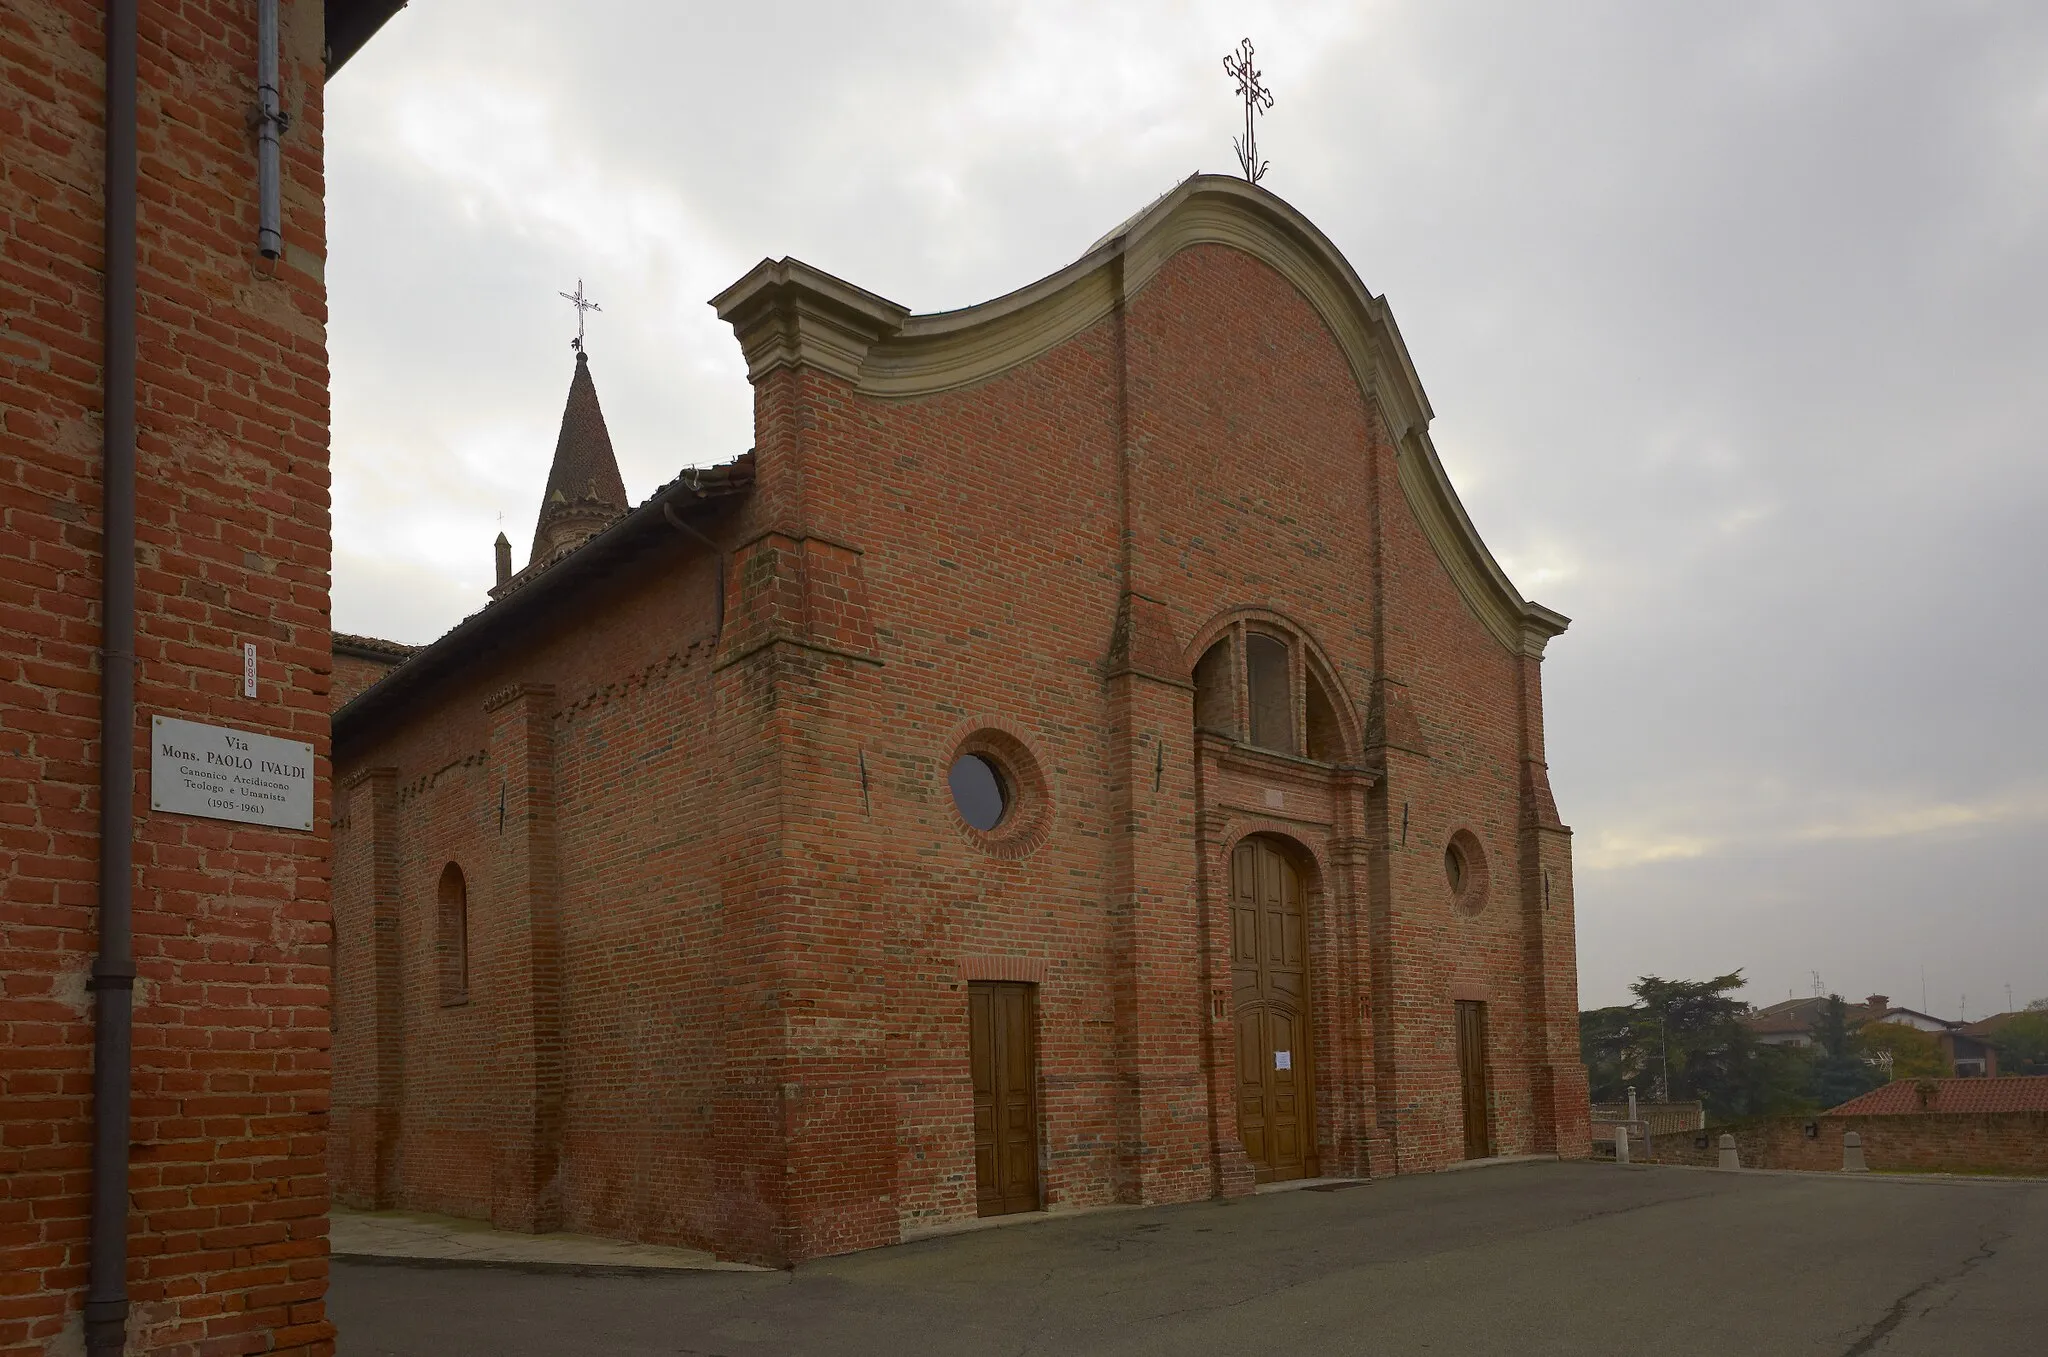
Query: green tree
{"points": [[1692, 1025], [1607, 1045], [1685, 1039], [1840, 1071], [1903, 1052], [1751, 1078], [2022, 1041]]}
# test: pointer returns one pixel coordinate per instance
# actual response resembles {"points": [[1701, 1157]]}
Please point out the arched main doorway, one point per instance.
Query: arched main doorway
{"points": [[1269, 977]]}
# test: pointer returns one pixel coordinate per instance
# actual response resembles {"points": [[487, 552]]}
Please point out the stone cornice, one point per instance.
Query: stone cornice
{"points": [[1522, 627], [1239, 757], [790, 638], [787, 314]]}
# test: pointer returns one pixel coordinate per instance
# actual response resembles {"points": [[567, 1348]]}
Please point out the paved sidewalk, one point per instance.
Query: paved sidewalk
{"points": [[448, 1241]]}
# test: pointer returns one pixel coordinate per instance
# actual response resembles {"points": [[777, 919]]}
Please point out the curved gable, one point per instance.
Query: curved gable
{"points": [[786, 313]]}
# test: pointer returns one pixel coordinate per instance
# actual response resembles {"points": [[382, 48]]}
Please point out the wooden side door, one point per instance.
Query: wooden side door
{"points": [[1004, 1058], [1472, 1077], [1269, 975]]}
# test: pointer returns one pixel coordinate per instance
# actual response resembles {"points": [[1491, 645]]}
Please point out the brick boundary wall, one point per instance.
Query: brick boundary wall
{"points": [[227, 1247], [1909, 1142]]}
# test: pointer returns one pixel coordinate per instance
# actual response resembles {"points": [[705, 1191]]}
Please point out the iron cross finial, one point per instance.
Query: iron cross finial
{"points": [[582, 304], [1257, 99]]}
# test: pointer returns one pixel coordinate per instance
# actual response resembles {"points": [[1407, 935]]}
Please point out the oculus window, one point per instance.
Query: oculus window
{"points": [[980, 793]]}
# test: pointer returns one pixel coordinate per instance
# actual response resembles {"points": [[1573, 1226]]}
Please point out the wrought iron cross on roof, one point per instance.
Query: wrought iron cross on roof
{"points": [[582, 304], [1257, 99]]}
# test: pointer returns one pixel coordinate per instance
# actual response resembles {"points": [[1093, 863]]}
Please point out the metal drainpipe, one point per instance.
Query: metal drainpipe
{"points": [[269, 122], [113, 970]]}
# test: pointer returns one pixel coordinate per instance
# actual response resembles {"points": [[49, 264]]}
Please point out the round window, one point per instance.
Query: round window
{"points": [[979, 791], [1001, 802], [1465, 872]]}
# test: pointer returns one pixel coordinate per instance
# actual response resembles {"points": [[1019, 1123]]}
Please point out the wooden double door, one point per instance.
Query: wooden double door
{"points": [[1003, 1052], [1269, 978]]}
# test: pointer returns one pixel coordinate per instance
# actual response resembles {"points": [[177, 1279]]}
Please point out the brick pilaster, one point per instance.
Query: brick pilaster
{"points": [[527, 974], [1162, 1004]]}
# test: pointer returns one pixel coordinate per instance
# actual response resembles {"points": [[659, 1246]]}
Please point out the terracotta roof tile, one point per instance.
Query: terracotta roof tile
{"points": [[2005, 1093], [371, 647]]}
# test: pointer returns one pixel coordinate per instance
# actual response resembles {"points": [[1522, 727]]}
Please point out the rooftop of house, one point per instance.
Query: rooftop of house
{"points": [[1803, 1015], [1987, 1027], [2004, 1093]]}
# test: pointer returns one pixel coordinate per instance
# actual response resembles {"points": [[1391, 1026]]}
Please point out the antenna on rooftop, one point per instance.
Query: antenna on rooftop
{"points": [[1818, 988]]}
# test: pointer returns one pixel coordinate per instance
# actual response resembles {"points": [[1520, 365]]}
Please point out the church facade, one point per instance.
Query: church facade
{"points": [[1081, 754]]}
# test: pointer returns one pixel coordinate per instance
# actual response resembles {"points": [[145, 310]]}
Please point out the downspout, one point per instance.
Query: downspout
{"points": [[270, 121], [113, 970]]}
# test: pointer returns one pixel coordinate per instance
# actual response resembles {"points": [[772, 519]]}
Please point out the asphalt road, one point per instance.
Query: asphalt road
{"points": [[1517, 1260]]}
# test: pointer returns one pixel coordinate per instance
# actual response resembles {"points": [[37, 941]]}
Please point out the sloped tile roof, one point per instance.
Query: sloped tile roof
{"points": [[371, 647], [514, 604], [2006, 1093], [1985, 1027], [1803, 1015]]}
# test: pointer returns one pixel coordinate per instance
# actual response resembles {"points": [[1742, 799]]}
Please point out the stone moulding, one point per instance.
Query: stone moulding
{"points": [[786, 313]]}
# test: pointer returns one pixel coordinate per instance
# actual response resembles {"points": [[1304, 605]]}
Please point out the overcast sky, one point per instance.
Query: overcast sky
{"points": [[1734, 316]]}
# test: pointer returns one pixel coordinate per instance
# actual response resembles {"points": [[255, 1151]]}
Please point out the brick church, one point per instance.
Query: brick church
{"points": [[1082, 753]]}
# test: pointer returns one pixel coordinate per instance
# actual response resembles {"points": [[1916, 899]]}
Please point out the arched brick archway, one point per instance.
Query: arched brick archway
{"points": [[1317, 828]]}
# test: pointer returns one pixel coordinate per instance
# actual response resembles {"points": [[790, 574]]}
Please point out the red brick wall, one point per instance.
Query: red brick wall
{"points": [[635, 881], [227, 1246], [1916, 1142], [352, 674], [768, 909]]}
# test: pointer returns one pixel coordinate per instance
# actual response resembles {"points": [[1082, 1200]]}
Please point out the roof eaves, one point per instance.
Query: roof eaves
{"points": [[350, 24]]}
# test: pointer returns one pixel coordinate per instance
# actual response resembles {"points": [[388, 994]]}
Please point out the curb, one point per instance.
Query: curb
{"points": [[1868, 1176], [544, 1267]]}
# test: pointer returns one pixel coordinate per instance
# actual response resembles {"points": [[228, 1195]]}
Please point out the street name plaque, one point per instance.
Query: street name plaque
{"points": [[228, 774]]}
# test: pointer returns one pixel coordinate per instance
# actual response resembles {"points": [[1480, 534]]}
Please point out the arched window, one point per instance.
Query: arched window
{"points": [[1216, 689], [1273, 699], [451, 946], [1325, 737], [1269, 690]]}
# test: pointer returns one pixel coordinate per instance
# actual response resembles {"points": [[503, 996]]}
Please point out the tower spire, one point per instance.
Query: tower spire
{"points": [[585, 492]]}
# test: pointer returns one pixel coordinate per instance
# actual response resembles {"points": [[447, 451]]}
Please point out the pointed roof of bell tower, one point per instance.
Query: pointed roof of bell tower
{"points": [[585, 492]]}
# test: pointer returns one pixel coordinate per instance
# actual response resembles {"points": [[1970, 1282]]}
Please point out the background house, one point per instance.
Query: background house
{"points": [[1966, 1047]]}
